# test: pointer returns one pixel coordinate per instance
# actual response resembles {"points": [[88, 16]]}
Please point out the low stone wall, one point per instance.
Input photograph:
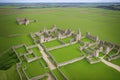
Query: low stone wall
{"points": [[39, 77], [23, 69], [113, 58], [61, 42], [65, 78], [17, 69], [29, 47], [56, 47], [71, 61], [17, 46], [54, 76], [92, 62]]}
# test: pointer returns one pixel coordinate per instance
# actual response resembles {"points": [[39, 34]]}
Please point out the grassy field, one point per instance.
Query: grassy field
{"points": [[82, 70], [101, 22], [66, 53]]}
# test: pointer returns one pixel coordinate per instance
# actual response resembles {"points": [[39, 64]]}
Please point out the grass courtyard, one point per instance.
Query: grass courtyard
{"points": [[51, 44], [66, 53], [35, 69]]}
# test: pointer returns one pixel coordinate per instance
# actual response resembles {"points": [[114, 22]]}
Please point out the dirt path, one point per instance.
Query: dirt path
{"points": [[111, 65], [45, 57]]}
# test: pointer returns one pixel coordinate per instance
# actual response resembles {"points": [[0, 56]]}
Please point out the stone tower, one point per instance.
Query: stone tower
{"points": [[41, 39], [78, 36]]}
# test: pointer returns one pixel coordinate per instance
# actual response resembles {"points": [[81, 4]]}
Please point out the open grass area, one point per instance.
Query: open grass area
{"points": [[66, 53], [87, 40], [101, 22], [116, 61], [51, 44], [82, 70], [67, 40], [8, 74], [57, 74], [30, 56], [36, 51], [8, 42], [21, 50], [34, 69]]}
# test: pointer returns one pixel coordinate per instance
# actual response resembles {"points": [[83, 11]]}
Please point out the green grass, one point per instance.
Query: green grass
{"points": [[116, 61], [101, 22], [8, 42], [66, 53], [82, 70], [34, 69], [21, 50], [57, 74], [22, 73], [51, 44], [7, 60], [36, 51], [8, 74], [67, 40], [86, 40], [30, 56]]}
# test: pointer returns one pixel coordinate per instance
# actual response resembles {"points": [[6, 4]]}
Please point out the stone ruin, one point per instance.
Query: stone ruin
{"points": [[24, 21]]}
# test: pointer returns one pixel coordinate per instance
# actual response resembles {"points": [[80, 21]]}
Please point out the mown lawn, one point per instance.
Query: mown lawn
{"points": [[36, 51], [35, 69], [82, 70], [57, 74], [51, 44], [66, 53]]}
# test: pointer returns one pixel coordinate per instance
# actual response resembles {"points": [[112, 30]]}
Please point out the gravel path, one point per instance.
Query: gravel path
{"points": [[45, 57]]}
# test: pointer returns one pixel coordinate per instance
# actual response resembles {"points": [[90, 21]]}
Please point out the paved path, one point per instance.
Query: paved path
{"points": [[50, 77], [111, 65], [45, 57]]}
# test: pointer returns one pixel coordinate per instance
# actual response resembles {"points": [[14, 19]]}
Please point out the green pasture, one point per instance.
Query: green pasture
{"points": [[82, 70], [8, 74], [99, 22]]}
